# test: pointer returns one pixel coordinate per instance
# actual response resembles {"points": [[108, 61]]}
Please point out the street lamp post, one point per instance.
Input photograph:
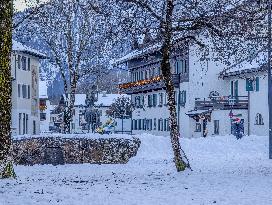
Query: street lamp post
{"points": [[269, 79]]}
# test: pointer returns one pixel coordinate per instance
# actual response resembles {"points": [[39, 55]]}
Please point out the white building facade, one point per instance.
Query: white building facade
{"points": [[25, 89], [209, 101]]}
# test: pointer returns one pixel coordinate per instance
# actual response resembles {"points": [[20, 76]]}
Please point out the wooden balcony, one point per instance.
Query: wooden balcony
{"points": [[155, 83], [222, 103]]}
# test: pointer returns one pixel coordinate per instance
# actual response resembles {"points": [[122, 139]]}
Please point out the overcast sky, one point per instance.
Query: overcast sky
{"points": [[21, 5]]}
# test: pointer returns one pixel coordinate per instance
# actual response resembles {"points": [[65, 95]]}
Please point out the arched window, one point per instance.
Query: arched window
{"points": [[259, 119]]}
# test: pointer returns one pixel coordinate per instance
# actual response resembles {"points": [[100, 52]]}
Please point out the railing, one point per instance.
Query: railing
{"points": [[223, 103], [155, 83]]}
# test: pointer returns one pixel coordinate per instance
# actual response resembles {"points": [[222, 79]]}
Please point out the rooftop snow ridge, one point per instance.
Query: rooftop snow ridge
{"points": [[17, 46]]}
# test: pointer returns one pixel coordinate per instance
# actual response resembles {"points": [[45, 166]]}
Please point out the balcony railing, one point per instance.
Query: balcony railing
{"points": [[155, 83], [222, 103]]}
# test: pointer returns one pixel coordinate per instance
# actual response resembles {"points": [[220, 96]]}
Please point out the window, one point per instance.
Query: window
{"points": [[150, 124], [165, 99], [19, 90], [24, 91], [28, 64], [160, 124], [259, 119], [154, 100], [160, 99], [19, 62], [168, 125], [181, 67], [149, 100], [234, 88], [139, 124], [182, 98], [231, 88], [23, 62], [155, 124], [178, 67], [135, 125], [249, 84], [216, 127], [143, 101], [42, 116], [144, 124], [165, 125], [137, 101], [257, 84], [198, 127], [24, 122]]}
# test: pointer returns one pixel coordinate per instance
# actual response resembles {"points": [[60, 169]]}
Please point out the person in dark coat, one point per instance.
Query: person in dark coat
{"points": [[238, 129]]}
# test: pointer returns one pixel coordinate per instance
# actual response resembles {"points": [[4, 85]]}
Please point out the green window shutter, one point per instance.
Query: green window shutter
{"points": [[249, 85], [154, 100], [236, 88], [257, 84], [231, 88]]}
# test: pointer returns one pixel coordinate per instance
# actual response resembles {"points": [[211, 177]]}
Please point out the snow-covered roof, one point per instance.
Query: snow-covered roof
{"points": [[17, 46], [106, 100], [80, 99], [137, 53], [43, 89], [255, 64]]}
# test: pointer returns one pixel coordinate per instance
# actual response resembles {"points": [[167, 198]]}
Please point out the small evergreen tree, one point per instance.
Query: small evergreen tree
{"points": [[121, 107]]}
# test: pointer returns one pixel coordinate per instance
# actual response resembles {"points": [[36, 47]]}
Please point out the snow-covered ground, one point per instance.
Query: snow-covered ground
{"points": [[226, 171]]}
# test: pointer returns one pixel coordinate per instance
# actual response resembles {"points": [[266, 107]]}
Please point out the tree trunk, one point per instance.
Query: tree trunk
{"points": [[180, 164], [68, 111], [6, 13]]}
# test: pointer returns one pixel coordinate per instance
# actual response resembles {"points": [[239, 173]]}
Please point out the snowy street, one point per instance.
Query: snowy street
{"points": [[225, 171]]}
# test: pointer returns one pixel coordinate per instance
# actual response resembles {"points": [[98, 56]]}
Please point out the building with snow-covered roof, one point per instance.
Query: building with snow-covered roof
{"points": [[249, 78], [206, 104], [25, 89], [103, 103]]}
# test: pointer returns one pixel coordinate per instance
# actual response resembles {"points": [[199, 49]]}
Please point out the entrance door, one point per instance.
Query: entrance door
{"points": [[204, 130], [34, 127]]}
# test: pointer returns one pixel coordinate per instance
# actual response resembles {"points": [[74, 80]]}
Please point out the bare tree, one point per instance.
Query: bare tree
{"points": [[179, 24], [70, 30]]}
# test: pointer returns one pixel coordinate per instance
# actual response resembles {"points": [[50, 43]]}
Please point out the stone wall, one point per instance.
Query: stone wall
{"points": [[59, 150]]}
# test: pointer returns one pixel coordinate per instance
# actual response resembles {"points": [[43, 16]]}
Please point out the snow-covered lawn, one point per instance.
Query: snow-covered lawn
{"points": [[226, 171]]}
